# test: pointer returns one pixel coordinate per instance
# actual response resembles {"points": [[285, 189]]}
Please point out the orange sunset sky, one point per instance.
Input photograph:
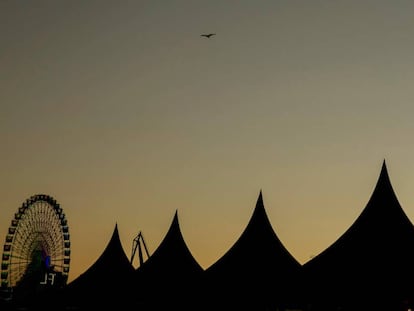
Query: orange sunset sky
{"points": [[124, 114]]}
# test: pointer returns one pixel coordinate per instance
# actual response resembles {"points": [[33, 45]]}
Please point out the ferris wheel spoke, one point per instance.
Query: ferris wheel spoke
{"points": [[18, 268], [58, 260], [21, 258], [16, 256]]}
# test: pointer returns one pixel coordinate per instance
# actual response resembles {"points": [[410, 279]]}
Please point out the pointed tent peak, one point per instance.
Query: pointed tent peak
{"points": [[175, 225], [116, 228], [383, 190], [259, 212], [112, 265], [175, 219], [259, 203], [384, 171], [258, 237], [384, 166], [172, 251], [115, 234], [383, 176]]}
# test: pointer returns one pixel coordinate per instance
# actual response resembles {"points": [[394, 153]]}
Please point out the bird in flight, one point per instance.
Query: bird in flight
{"points": [[208, 35]]}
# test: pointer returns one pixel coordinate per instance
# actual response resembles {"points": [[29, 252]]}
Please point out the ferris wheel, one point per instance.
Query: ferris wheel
{"points": [[36, 252]]}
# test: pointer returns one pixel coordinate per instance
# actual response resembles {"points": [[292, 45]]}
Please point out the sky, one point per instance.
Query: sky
{"points": [[124, 114]]}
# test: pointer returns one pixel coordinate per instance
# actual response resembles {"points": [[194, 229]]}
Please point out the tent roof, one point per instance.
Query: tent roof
{"points": [[258, 252], [374, 252], [112, 267], [172, 256], [168, 276], [381, 227]]}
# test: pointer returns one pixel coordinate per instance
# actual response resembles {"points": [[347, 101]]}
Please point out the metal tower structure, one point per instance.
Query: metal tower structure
{"points": [[139, 243]]}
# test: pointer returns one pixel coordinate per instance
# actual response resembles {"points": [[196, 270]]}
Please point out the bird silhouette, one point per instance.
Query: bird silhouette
{"points": [[208, 35]]}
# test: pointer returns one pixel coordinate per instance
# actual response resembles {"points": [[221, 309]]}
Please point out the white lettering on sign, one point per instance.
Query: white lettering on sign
{"points": [[49, 279]]}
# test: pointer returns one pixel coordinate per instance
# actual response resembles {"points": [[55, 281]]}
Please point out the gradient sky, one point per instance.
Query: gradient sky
{"points": [[124, 114]]}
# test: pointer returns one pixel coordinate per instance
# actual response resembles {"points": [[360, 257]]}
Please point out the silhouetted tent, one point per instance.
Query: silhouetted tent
{"points": [[168, 279], [257, 272], [371, 266], [105, 282]]}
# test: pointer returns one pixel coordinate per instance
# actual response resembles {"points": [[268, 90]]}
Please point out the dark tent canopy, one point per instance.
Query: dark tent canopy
{"points": [[167, 280], [104, 283], [256, 272], [372, 264]]}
